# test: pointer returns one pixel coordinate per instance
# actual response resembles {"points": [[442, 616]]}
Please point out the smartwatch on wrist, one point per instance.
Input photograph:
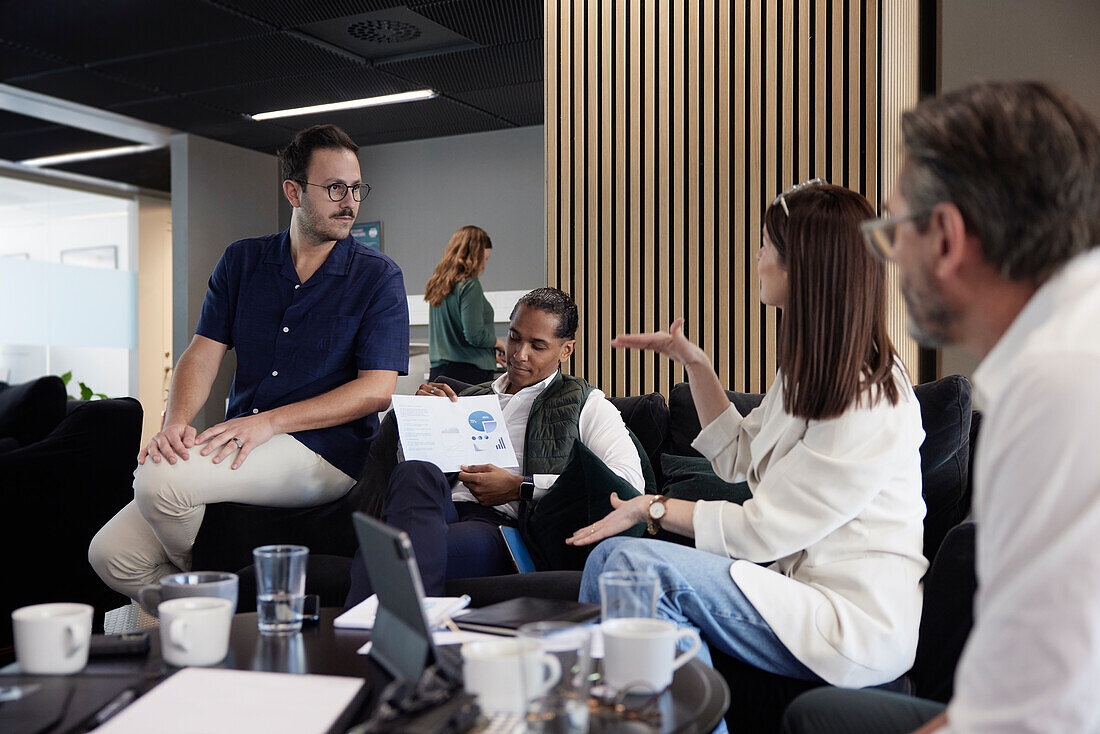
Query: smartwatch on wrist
{"points": [[527, 489], [656, 513]]}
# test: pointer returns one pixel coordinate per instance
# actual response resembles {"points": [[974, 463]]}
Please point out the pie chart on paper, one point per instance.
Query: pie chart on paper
{"points": [[482, 422]]}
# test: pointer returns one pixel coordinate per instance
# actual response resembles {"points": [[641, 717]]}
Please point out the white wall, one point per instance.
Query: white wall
{"points": [[1053, 41], [220, 193]]}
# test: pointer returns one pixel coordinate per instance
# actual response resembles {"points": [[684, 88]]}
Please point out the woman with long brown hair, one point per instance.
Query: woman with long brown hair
{"points": [[463, 345], [817, 575]]}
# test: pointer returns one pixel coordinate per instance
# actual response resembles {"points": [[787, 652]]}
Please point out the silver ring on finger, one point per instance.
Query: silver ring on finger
{"points": [[239, 442]]}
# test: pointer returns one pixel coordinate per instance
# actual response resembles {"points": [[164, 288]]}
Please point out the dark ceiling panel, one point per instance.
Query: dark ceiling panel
{"points": [[294, 13], [521, 104], [150, 170], [223, 65], [85, 32], [177, 113], [202, 66], [16, 61], [488, 21], [339, 84], [483, 68], [83, 86], [54, 140], [11, 122]]}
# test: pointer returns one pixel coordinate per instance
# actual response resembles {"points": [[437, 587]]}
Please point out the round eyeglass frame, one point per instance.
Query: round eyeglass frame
{"points": [[337, 191]]}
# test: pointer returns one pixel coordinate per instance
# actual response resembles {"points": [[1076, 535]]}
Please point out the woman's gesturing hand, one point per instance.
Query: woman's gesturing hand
{"points": [[671, 343], [626, 514]]}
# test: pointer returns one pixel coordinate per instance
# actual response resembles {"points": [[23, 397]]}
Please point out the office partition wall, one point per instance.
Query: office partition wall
{"points": [[671, 125]]}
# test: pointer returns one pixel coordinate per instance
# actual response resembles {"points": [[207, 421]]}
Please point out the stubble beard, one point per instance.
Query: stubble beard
{"points": [[929, 317]]}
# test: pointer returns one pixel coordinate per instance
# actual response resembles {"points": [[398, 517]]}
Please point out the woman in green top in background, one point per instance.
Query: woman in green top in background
{"points": [[460, 321]]}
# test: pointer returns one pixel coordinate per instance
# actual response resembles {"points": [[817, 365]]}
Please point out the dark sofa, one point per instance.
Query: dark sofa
{"points": [[66, 467]]}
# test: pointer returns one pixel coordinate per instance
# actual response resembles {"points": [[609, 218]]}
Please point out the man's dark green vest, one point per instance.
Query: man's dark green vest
{"points": [[553, 425]]}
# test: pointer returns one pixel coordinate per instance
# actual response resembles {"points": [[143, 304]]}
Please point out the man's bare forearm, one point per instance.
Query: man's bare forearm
{"points": [[369, 393], [193, 377]]}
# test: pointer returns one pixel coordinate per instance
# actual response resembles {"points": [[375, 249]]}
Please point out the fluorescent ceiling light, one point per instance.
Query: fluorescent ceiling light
{"points": [[349, 105], [87, 155]]}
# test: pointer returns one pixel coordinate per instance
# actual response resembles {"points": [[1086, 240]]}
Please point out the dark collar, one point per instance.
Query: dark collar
{"points": [[338, 261]]}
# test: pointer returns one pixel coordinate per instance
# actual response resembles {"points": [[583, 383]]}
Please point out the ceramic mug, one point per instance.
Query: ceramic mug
{"points": [[506, 674], [194, 630], [192, 583], [641, 652], [52, 638]]}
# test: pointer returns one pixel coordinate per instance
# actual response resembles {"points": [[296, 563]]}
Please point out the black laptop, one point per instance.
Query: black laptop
{"points": [[401, 637]]}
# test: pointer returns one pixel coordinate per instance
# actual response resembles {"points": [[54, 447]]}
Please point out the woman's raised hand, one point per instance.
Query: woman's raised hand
{"points": [[671, 343]]}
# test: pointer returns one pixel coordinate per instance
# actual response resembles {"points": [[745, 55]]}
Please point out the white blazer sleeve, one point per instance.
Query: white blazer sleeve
{"points": [[825, 480], [725, 441]]}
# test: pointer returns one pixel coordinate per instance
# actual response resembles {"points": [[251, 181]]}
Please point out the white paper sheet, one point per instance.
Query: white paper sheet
{"points": [[436, 609], [451, 434], [215, 700]]}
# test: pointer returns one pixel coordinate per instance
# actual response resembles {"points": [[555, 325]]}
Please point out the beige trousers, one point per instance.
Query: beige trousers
{"points": [[152, 536]]}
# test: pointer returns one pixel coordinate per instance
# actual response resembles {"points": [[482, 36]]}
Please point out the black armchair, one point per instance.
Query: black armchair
{"points": [[59, 485]]}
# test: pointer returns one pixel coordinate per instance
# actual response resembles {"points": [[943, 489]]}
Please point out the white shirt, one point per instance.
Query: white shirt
{"points": [[1032, 661], [601, 429], [837, 511]]}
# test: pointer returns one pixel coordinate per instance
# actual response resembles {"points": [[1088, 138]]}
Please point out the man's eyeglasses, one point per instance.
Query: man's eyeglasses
{"points": [[879, 233], [338, 191], [782, 198]]}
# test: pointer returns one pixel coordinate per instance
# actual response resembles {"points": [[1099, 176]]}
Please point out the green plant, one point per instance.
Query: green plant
{"points": [[86, 393]]}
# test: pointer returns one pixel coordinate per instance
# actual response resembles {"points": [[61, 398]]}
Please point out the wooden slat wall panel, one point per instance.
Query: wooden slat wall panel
{"points": [[671, 125]]}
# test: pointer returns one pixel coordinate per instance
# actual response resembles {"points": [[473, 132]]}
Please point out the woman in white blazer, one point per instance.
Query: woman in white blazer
{"points": [[818, 574]]}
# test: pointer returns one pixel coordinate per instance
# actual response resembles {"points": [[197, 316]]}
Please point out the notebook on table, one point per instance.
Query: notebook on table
{"points": [[506, 617]]}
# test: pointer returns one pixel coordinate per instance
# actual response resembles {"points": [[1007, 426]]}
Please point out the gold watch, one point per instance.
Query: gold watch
{"points": [[656, 512]]}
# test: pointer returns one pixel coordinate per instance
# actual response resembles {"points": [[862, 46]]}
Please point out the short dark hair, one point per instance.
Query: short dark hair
{"points": [[556, 302], [294, 158], [1020, 160]]}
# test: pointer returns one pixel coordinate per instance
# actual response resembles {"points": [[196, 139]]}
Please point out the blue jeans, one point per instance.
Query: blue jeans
{"points": [[696, 590]]}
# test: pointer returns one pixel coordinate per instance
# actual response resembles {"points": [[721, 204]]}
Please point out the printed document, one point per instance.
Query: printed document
{"points": [[453, 434]]}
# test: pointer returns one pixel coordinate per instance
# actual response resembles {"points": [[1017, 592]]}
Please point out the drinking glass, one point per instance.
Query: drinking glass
{"points": [[563, 709], [280, 587], [627, 594]]}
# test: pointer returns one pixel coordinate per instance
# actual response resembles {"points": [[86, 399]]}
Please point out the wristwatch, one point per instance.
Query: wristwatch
{"points": [[657, 510], [527, 489]]}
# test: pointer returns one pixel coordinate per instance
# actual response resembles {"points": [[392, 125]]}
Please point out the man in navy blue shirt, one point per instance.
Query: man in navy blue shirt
{"points": [[321, 327]]}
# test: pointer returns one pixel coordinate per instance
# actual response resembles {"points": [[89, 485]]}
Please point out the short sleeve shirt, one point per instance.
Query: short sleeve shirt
{"points": [[295, 340]]}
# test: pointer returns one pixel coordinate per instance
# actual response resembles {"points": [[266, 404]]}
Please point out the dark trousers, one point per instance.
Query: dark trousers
{"points": [[865, 711], [450, 540], [462, 371]]}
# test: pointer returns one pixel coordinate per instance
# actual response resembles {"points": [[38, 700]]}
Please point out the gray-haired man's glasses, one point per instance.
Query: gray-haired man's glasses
{"points": [[879, 233], [782, 198], [338, 191]]}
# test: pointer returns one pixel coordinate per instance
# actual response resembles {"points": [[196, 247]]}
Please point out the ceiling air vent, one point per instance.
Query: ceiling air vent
{"points": [[388, 35], [383, 31]]}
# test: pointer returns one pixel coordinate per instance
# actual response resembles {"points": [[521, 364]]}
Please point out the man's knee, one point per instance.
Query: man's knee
{"points": [[417, 480], [153, 483]]}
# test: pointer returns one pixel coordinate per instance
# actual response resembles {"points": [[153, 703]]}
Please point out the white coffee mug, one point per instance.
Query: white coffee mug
{"points": [[640, 652], [492, 672], [52, 638], [194, 630]]}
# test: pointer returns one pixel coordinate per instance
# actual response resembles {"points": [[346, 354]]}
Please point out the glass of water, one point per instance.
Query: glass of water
{"points": [[563, 707], [280, 587]]}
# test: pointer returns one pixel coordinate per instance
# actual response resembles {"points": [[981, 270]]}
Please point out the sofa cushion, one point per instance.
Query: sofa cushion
{"points": [[579, 497], [683, 421], [693, 478], [8, 444], [28, 412], [944, 456], [647, 418]]}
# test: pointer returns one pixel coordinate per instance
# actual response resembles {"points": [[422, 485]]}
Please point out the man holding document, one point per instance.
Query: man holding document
{"points": [[454, 525]]}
